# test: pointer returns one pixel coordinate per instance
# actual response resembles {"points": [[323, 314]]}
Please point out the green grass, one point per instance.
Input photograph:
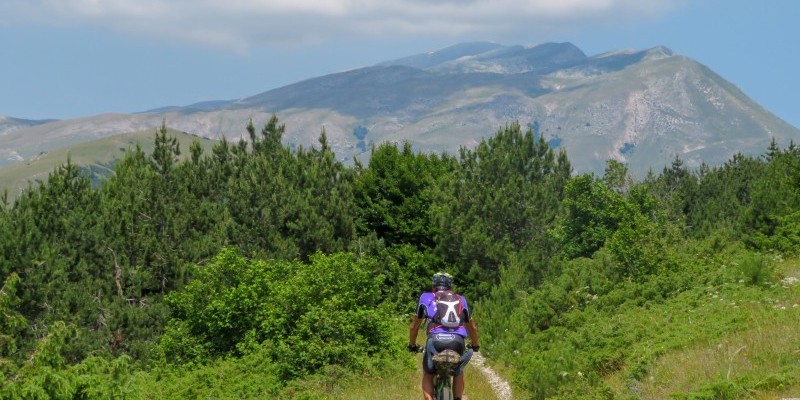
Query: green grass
{"points": [[405, 385], [732, 341], [100, 153]]}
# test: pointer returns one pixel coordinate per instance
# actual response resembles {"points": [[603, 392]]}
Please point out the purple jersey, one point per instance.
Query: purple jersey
{"points": [[427, 307]]}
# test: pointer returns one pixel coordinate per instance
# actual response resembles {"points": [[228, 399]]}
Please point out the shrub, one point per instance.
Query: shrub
{"points": [[754, 269], [326, 312]]}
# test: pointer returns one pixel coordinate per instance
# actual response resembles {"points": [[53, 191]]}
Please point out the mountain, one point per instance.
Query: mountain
{"points": [[491, 57], [641, 107]]}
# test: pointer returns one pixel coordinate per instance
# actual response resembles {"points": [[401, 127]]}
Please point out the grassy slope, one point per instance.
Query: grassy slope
{"points": [[100, 153], [717, 342], [757, 359]]}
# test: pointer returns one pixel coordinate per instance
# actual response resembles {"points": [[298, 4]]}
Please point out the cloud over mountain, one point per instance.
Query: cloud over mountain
{"points": [[240, 24]]}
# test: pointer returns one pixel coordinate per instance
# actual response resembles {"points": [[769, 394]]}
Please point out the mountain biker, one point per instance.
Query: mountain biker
{"points": [[441, 337]]}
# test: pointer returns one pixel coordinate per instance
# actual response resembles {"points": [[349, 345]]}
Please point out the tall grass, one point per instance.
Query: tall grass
{"points": [[758, 359]]}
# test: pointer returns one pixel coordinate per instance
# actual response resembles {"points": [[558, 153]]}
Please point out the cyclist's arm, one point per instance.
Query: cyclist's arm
{"points": [[416, 321], [472, 329], [469, 323], [413, 330]]}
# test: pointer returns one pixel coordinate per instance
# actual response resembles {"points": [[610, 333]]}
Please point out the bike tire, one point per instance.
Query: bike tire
{"points": [[443, 388]]}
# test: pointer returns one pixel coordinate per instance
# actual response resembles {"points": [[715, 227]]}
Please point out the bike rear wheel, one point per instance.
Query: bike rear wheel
{"points": [[443, 389], [445, 363]]}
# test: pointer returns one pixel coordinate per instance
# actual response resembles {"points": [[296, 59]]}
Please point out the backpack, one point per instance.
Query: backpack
{"points": [[449, 310]]}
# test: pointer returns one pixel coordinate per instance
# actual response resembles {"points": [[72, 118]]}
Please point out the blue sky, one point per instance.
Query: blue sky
{"points": [[72, 58]]}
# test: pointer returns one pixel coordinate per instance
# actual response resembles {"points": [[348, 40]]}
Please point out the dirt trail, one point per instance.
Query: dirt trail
{"points": [[500, 386]]}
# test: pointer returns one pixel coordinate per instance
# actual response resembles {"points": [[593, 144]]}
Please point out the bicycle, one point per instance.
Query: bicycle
{"points": [[445, 363]]}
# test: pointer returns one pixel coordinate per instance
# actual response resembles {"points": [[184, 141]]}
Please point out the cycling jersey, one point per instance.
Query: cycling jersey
{"points": [[427, 308]]}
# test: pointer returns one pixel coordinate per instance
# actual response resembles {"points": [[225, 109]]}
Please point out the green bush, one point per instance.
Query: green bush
{"points": [[253, 376], [326, 312], [754, 269]]}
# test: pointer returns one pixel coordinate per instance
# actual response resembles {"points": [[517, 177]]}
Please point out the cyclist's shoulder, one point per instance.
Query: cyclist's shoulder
{"points": [[426, 297], [464, 302]]}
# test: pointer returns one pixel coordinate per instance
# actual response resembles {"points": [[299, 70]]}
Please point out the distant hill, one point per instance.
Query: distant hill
{"points": [[641, 107], [96, 157], [9, 125]]}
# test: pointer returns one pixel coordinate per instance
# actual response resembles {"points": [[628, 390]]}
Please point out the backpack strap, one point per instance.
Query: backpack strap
{"points": [[431, 323]]}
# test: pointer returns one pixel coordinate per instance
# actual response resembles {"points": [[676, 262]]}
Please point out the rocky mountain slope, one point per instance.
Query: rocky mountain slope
{"points": [[639, 107]]}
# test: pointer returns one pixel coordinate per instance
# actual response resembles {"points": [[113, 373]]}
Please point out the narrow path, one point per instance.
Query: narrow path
{"points": [[500, 386]]}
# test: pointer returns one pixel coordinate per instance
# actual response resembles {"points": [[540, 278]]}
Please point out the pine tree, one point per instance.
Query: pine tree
{"points": [[12, 324], [395, 194], [503, 197]]}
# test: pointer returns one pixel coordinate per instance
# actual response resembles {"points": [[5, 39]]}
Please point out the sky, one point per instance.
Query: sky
{"points": [[71, 58]]}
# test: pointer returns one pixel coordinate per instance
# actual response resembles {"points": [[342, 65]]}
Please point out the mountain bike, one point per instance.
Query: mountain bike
{"points": [[445, 363]]}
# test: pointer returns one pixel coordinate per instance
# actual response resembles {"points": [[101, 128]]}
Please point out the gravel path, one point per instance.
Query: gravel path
{"points": [[500, 386]]}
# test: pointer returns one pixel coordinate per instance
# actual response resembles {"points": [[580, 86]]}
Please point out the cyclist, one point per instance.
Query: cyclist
{"points": [[439, 336]]}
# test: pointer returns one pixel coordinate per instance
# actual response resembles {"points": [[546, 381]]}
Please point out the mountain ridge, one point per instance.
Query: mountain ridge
{"points": [[641, 107]]}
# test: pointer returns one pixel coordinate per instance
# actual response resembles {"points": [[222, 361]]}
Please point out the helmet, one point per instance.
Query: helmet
{"points": [[442, 281]]}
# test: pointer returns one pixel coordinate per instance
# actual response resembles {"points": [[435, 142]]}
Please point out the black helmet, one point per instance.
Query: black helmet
{"points": [[442, 281]]}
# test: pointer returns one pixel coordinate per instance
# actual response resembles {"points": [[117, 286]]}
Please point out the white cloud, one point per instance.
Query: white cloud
{"points": [[239, 24]]}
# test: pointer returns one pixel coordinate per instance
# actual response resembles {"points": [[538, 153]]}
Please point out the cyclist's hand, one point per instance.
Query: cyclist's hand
{"points": [[413, 348]]}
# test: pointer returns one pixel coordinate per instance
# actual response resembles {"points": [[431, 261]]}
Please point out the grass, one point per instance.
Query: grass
{"points": [[405, 385], [758, 357], [401, 380], [751, 361]]}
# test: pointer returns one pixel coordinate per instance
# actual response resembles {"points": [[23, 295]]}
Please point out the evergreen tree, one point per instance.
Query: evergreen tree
{"points": [[723, 193], [675, 188], [395, 194], [772, 219], [503, 197], [54, 251], [12, 324], [327, 223]]}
